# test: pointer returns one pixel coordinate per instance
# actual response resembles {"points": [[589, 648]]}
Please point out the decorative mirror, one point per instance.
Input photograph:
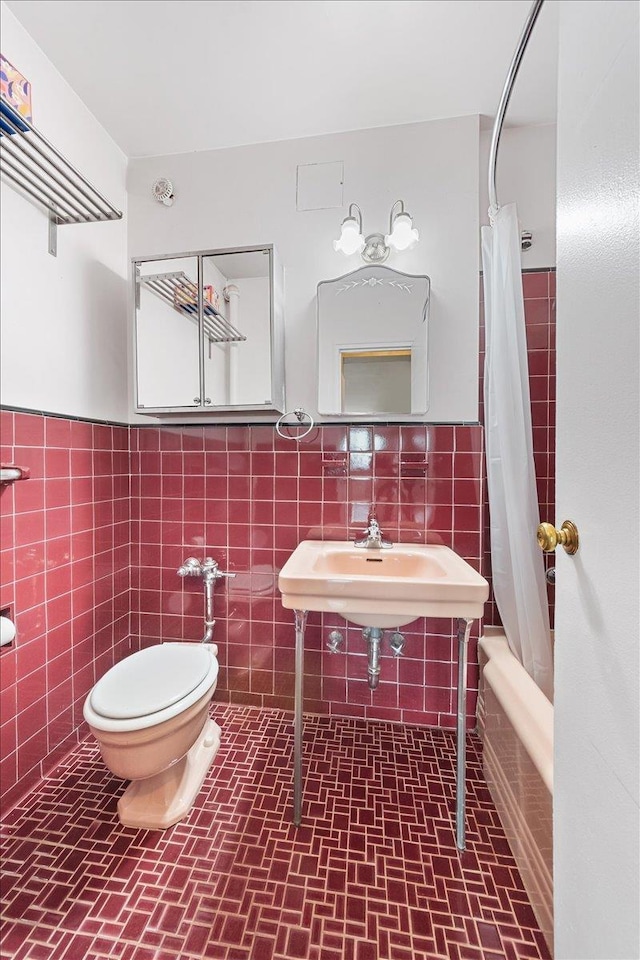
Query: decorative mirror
{"points": [[372, 343]]}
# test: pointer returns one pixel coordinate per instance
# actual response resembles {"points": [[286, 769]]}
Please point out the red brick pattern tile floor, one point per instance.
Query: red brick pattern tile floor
{"points": [[372, 874]]}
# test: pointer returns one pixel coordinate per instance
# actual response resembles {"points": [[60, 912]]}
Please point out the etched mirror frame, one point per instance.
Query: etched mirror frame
{"points": [[372, 327]]}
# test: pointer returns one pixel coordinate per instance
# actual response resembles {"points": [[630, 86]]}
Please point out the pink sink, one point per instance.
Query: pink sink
{"points": [[381, 588]]}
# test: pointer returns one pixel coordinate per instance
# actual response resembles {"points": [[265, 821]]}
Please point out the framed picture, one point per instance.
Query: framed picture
{"points": [[15, 89]]}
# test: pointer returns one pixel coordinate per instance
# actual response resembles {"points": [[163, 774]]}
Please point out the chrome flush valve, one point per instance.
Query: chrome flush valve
{"points": [[190, 568], [207, 568], [210, 572]]}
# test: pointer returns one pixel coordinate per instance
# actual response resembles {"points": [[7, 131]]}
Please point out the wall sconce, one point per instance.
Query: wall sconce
{"points": [[351, 239], [375, 248], [402, 233]]}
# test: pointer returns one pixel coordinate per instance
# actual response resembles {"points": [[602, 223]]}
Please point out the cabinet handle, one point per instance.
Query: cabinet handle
{"points": [[196, 399], [207, 399]]}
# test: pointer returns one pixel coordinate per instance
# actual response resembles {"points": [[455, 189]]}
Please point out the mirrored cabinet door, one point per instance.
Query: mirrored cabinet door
{"points": [[237, 328], [209, 331], [167, 333]]}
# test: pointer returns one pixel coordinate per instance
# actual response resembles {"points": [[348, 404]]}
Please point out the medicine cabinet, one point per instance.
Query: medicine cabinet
{"points": [[372, 343], [209, 331]]}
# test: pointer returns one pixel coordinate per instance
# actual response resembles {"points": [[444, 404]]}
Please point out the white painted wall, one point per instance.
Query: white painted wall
{"points": [[597, 754], [526, 175], [247, 195], [64, 320]]}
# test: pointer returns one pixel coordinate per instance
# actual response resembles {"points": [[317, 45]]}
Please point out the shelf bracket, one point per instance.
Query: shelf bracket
{"points": [[40, 173], [53, 232]]}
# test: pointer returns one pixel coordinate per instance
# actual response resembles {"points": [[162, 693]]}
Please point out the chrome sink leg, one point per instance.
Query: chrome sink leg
{"points": [[301, 623], [464, 629]]}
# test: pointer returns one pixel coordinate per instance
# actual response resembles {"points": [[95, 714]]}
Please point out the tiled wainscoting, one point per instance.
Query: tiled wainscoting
{"points": [[65, 557], [92, 543], [251, 497]]}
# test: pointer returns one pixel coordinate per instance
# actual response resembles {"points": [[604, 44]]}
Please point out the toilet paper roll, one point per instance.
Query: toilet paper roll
{"points": [[7, 630]]}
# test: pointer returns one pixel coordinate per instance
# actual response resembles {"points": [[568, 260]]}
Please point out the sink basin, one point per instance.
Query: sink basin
{"points": [[381, 588]]}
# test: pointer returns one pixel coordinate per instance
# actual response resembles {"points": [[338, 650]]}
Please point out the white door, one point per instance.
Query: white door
{"points": [[597, 640]]}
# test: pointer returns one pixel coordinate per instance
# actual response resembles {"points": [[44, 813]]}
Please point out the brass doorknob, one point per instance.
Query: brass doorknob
{"points": [[549, 538]]}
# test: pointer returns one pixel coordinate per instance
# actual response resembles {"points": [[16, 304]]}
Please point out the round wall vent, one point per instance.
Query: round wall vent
{"points": [[163, 191]]}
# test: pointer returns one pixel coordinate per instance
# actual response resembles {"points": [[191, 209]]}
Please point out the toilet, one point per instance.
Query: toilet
{"points": [[150, 716]]}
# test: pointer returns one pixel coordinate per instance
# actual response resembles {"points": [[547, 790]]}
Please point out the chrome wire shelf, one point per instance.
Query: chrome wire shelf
{"points": [[181, 293], [33, 166]]}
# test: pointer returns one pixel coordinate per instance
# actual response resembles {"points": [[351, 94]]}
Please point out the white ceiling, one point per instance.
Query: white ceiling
{"points": [[172, 76]]}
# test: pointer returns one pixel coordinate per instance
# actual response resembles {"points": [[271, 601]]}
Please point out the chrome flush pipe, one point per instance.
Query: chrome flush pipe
{"points": [[210, 572], [208, 577]]}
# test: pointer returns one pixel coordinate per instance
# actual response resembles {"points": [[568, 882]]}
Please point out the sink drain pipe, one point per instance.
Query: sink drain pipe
{"points": [[373, 636]]}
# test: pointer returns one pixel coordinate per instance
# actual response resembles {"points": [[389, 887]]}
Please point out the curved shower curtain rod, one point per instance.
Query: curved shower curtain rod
{"points": [[506, 96]]}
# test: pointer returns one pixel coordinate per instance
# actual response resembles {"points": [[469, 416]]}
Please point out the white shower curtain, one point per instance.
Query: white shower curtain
{"points": [[516, 560]]}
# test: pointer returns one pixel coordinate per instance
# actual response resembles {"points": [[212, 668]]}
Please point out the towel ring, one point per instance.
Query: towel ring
{"points": [[300, 415]]}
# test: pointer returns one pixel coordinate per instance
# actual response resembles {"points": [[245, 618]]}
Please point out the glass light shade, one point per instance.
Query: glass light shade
{"points": [[403, 235], [351, 240]]}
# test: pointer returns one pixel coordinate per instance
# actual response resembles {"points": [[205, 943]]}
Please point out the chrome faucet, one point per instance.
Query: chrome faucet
{"points": [[373, 539]]}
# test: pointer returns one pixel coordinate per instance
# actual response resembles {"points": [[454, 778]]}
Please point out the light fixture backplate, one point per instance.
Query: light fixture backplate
{"points": [[375, 249]]}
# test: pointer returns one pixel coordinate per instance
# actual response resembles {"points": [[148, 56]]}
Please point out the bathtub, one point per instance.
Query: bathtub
{"points": [[515, 721]]}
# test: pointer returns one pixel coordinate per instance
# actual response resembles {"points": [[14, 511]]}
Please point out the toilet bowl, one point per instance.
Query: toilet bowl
{"points": [[150, 716]]}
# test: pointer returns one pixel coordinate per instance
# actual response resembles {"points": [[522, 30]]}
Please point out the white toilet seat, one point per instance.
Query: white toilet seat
{"points": [[151, 686]]}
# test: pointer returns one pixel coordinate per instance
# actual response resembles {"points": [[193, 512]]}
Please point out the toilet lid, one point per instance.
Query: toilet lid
{"points": [[150, 680]]}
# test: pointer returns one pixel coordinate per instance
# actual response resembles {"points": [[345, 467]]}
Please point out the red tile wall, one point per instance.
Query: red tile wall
{"points": [[65, 556], [539, 288], [247, 497]]}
